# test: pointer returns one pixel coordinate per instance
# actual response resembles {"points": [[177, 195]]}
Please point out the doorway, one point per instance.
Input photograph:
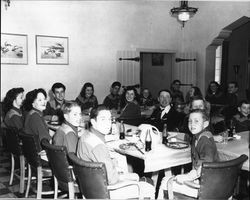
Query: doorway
{"points": [[156, 71]]}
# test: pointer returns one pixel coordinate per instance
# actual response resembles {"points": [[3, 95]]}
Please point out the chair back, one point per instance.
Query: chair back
{"points": [[91, 177], [31, 149], [218, 179], [57, 156], [13, 141]]}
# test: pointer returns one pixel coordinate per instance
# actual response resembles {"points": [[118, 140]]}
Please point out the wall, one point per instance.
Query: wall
{"points": [[98, 29], [238, 55]]}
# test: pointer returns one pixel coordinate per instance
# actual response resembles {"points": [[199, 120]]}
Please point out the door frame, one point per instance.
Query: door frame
{"points": [[145, 50]]}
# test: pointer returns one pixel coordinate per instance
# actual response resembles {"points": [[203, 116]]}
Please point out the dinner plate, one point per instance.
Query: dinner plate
{"points": [[128, 146], [177, 145]]}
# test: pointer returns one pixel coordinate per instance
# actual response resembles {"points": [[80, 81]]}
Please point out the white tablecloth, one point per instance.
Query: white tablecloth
{"points": [[235, 148]]}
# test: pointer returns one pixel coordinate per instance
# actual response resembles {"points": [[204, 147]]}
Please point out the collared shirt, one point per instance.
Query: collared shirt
{"points": [[14, 118], [92, 147], [87, 103], [112, 101], [203, 149], [66, 135], [53, 107], [35, 124], [165, 110]]}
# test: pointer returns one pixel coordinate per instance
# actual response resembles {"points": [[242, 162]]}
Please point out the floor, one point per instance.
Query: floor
{"points": [[7, 191], [12, 191]]}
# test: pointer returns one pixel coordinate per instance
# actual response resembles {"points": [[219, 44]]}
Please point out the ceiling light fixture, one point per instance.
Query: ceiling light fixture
{"points": [[7, 3], [183, 13]]}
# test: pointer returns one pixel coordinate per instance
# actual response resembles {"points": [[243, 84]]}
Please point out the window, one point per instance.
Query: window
{"points": [[218, 59]]}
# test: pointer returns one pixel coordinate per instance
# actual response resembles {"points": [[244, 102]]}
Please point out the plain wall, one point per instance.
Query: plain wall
{"points": [[98, 29]]}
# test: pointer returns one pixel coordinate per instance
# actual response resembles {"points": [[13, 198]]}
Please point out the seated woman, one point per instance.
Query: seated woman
{"points": [[193, 92], [12, 107], [92, 147], [86, 99], [35, 104], [214, 94], [146, 98], [130, 108], [203, 149], [67, 134]]}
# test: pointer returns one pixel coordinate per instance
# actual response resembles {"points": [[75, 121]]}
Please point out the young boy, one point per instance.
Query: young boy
{"points": [[67, 134], [203, 149], [92, 147], [242, 118]]}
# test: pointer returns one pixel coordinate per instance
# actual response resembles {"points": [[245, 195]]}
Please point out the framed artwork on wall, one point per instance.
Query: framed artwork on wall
{"points": [[157, 59], [14, 49], [52, 50]]}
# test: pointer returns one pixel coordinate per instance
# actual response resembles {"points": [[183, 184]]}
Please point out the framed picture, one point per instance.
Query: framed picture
{"points": [[52, 50], [157, 59], [14, 49]]}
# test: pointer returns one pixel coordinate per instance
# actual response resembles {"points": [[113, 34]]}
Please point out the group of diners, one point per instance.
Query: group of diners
{"points": [[33, 113]]}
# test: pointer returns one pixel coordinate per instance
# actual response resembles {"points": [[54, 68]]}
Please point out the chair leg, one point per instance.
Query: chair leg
{"points": [[12, 169], [71, 190], [28, 183], [39, 183], [55, 188], [22, 173], [170, 188]]}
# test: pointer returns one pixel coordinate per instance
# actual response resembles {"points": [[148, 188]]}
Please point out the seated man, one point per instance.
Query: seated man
{"points": [[165, 113], [112, 101], [242, 118], [92, 147], [203, 149], [53, 110]]}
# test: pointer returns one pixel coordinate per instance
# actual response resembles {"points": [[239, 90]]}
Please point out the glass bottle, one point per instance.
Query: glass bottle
{"points": [[122, 131], [113, 126], [231, 128], [165, 134], [148, 141]]}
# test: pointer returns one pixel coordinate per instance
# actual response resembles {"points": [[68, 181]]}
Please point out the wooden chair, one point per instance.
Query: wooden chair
{"points": [[218, 180], [92, 179], [32, 153], [62, 171], [14, 146]]}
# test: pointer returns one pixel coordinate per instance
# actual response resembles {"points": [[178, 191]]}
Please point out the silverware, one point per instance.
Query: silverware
{"points": [[138, 148]]}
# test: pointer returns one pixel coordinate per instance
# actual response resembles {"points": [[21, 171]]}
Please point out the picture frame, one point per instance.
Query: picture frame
{"points": [[52, 50], [14, 49], [157, 59]]}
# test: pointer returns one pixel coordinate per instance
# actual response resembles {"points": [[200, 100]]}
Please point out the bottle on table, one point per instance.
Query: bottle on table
{"points": [[148, 141], [231, 130], [122, 131], [114, 130], [165, 134]]}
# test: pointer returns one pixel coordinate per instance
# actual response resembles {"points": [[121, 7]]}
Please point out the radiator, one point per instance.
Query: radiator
{"points": [[128, 72]]}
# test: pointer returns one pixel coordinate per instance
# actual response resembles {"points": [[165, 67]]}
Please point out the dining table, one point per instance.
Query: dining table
{"points": [[159, 158], [235, 147]]}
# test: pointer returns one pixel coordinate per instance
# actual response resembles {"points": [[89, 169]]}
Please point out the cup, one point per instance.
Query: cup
{"points": [[225, 137]]}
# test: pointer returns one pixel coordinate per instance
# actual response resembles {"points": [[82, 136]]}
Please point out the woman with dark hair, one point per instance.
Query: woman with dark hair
{"points": [[12, 108], [193, 92], [35, 104], [214, 94], [129, 104], [86, 99]]}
